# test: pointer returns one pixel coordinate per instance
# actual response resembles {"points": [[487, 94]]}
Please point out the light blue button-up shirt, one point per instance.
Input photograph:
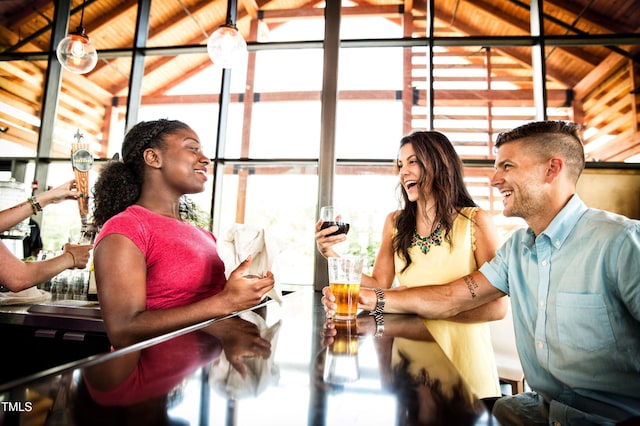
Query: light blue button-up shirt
{"points": [[575, 297]]}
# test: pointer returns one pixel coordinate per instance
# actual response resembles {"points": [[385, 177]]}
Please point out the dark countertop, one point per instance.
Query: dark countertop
{"points": [[68, 315], [43, 335], [206, 374]]}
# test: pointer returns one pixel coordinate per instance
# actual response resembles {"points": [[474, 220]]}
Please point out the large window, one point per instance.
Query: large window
{"points": [[470, 71]]}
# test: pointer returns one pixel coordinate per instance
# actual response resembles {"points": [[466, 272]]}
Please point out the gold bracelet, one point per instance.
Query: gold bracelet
{"points": [[74, 259], [35, 205]]}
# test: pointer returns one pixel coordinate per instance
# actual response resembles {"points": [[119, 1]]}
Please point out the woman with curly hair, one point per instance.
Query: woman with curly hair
{"points": [[156, 272], [437, 235]]}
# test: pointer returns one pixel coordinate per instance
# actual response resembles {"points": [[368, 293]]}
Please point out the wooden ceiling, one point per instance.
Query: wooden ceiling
{"points": [[604, 80]]}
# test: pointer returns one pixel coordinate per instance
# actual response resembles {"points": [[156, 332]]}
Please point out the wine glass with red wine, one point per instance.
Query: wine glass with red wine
{"points": [[332, 216]]}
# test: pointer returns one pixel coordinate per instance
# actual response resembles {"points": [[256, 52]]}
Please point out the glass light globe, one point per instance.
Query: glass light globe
{"points": [[76, 53], [226, 47]]}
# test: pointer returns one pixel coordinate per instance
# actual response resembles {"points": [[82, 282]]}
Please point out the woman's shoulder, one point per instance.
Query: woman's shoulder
{"points": [[478, 218], [392, 218], [482, 217], [469, 211], [475, 214], [393, 215], [132, 218], [125, 216]]}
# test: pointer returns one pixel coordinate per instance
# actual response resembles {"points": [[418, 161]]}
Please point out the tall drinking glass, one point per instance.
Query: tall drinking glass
{"points": [[345, 275]]}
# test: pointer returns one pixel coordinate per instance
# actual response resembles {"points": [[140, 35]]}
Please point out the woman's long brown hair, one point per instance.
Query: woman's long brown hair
{"points": [[442, 169]]}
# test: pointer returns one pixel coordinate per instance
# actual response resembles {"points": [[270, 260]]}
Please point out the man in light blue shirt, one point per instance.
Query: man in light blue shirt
{"points": [[574, 281], [576, 290]]}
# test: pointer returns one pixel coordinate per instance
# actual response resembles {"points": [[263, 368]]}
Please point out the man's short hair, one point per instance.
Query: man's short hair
{"points": [[550, 139]]}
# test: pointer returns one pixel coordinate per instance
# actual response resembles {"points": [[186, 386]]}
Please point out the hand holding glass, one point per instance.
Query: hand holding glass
{"points": [[345, 275], [331, 216]]}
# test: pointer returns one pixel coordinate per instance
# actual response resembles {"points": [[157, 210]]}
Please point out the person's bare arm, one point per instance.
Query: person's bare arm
{"points": [[435, 301], [432, 301], [16, 214], [17, 275], [383, 268], [121, 281], [486, 237]]}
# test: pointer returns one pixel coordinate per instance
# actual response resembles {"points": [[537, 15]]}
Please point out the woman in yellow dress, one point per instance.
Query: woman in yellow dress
{"points": [[438, 235]]}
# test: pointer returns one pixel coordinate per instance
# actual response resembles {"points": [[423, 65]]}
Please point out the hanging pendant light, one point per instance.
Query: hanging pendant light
{"points": [[226, 46], [75, 52]]}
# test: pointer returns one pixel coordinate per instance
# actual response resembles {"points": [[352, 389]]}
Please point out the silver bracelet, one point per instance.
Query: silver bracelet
{"points": [[380, 301], [379, 325]]}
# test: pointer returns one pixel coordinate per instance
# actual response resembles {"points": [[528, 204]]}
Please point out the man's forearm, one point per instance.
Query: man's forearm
{"points": [[442, 301]]}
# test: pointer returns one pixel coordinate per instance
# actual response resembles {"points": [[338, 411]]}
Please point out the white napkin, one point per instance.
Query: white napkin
{"points": [[240, 241], [29, 295], [260, 372]]}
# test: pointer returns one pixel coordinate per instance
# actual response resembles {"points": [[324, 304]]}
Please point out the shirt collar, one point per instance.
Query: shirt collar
{"points": [[564, 222]]}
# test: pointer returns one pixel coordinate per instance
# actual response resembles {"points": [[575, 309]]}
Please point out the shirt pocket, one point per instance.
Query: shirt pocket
{"points": [[583, 321]]}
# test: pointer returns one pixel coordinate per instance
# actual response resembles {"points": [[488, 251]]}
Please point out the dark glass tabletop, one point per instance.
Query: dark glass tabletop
{"points": [[274, 365]]}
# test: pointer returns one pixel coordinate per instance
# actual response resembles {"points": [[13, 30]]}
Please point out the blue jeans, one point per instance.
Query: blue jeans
{"points": [[530, 409]]}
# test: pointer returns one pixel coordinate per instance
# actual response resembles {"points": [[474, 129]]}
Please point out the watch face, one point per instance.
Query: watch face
{"points": [[82, 160]]}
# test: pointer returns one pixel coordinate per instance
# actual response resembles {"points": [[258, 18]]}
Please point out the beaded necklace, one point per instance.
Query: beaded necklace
{"points": [[425, 243]]}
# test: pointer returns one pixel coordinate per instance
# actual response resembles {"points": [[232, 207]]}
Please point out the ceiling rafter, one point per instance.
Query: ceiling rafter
{"points": [[523, 26], [604, 24]]}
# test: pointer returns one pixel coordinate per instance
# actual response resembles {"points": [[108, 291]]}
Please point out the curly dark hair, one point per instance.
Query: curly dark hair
{"points": [[120, 182], [440, 164]]}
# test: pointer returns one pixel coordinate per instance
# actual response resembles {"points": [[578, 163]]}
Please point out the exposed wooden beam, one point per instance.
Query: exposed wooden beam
{"points": [[623, 146], [506, 20], [604, 25], [598, 74], [251, 7], [521, 97], [520, 54], [385, 11]]}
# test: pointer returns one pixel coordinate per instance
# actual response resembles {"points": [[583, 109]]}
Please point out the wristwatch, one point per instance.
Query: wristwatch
{"points": [[379, 302]]}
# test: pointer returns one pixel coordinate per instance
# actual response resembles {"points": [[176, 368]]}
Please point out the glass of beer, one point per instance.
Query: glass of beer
{"points": [[332, 216], [341, 362], [345, 275]]}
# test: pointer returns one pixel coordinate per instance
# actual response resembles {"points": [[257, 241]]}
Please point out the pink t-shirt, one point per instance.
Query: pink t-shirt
{"points": [[183, 265]]}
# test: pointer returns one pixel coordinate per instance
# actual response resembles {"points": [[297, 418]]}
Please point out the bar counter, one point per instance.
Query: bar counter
{"points": [[277, 364], [43, 335]]}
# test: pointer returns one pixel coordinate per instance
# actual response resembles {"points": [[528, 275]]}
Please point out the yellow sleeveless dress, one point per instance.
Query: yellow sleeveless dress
{"points": [[468, 346]]}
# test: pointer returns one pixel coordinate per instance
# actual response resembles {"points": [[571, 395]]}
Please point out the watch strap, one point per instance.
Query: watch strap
{"points": [[379, 325], [380, 301]]}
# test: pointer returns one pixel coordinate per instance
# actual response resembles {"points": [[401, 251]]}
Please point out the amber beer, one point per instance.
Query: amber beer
{"points": [[345, 275], [346, 298], [341, 359], [345, 341]]}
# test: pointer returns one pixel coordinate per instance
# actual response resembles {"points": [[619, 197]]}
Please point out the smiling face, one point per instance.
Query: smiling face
{"points": [[183, 164], [410, 172], [520, 178]]}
